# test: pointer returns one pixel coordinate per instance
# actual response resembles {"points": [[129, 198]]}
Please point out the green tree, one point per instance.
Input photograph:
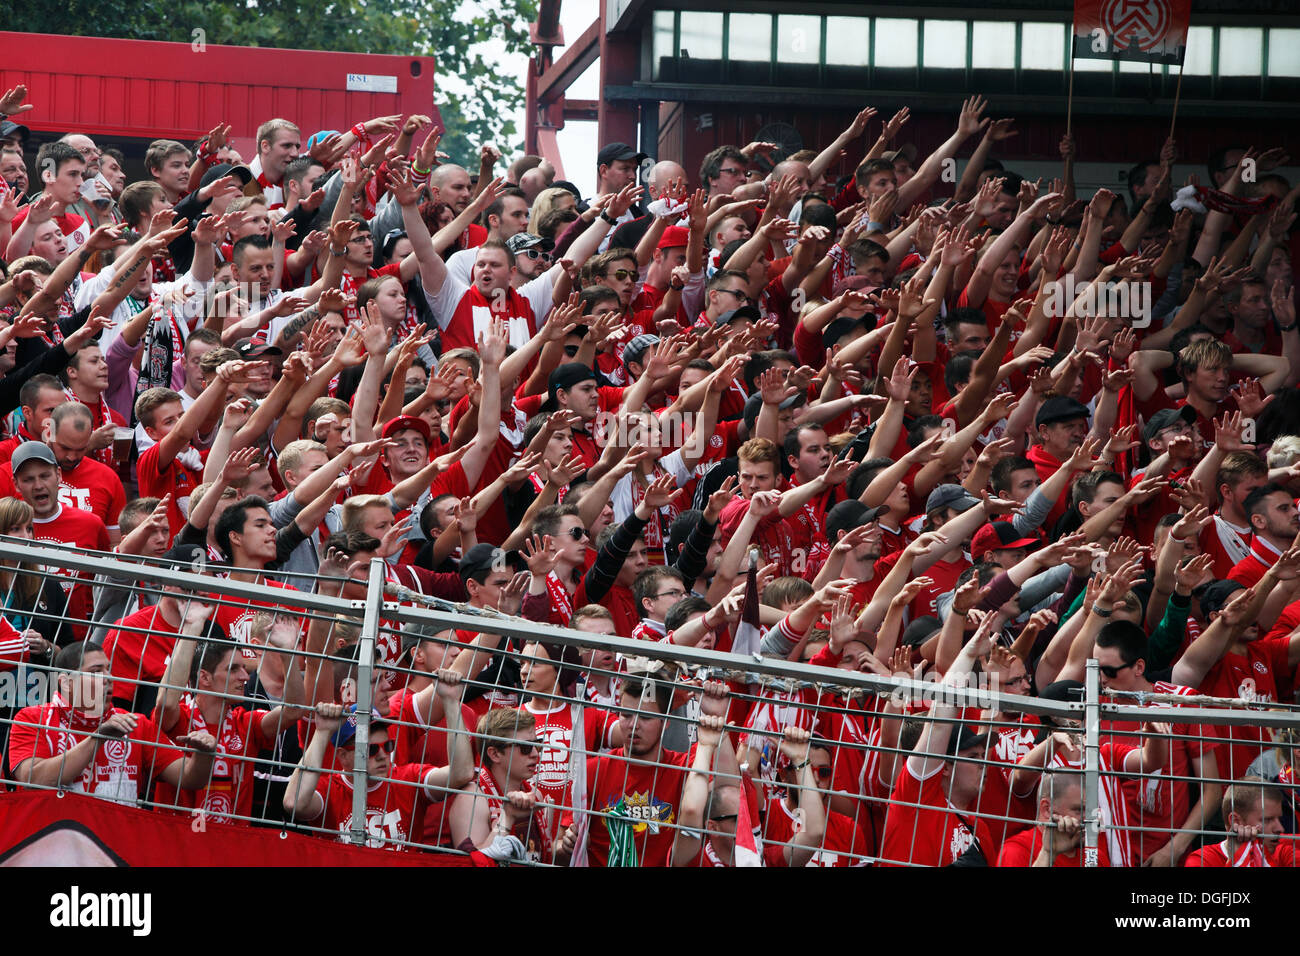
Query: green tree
{"points": [[454, 33]]}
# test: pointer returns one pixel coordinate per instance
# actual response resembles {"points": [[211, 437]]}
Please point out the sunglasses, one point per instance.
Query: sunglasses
{"points": [[525, 747], [387, 747], [537, 254], [621, 274], [577, 534], [1114, 671]]}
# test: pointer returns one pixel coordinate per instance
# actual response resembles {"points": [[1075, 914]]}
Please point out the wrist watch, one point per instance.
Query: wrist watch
{"points": [[608, 218]]}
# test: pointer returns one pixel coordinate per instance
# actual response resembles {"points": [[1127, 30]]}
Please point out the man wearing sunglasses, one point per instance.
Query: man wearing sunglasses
{"points": [[801, 830], [532, 256], [1157, 806], [398, 795], [496, 819]]}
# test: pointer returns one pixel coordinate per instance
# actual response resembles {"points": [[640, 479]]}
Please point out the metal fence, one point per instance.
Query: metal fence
{"points": [[868, 722]]}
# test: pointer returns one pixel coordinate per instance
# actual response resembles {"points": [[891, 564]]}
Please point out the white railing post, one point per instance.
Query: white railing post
{"points": [[365, 703], [1091, 762]]}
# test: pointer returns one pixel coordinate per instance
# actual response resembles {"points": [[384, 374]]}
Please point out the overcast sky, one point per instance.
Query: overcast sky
{"points": [[577, 140]]}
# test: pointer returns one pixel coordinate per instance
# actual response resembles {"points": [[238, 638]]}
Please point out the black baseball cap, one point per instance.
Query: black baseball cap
{"points": [[9, 128], [240, 172], [248, 349], [921, 630], [1060, 408], [1166, 417], [754, 405], [484, 557], [186, 557], [839, 327], [963, 738], [1215, 595], [744, 312], [851, 514], [615, 152], [568, 375]]}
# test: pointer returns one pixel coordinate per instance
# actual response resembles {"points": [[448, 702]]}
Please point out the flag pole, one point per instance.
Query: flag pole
{"points": [[1069, 96], [1178, 92]]}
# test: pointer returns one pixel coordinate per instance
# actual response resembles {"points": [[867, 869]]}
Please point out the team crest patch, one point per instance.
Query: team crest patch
{"points": [[645, 811]]}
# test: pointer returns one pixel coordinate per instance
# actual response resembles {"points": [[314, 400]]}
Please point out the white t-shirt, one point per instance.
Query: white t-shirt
{"points": [[622, 499]]}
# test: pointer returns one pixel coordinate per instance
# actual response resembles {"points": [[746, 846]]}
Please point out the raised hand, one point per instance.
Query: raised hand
{"points": [[1250, 397], [540, 554]]}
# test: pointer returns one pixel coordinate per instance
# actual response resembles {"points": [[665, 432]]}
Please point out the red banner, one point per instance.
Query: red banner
{"points": [[1150, 31], [40, 828]]}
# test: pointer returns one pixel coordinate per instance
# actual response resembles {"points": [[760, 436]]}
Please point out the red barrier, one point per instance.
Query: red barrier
{"points": [[41, 828]]}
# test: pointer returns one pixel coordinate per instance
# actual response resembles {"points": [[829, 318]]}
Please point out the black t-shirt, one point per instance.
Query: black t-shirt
{"points": [[272, 771]]}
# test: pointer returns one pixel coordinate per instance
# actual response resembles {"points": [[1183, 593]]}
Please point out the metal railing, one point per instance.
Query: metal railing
{"points": [[762, 690]]}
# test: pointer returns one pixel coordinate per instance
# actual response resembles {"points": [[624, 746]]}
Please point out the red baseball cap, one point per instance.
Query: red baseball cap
{"points": [[395, 425], [998, 536], [674, 236]]}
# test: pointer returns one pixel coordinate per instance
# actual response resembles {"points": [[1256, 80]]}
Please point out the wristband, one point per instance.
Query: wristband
{"points": [[338, 252], [875, 226], [608, 218], [1100, 613], [420, 172], [359, 131], [678, 288], [206, 153], [800, 766], [1288, 328]]}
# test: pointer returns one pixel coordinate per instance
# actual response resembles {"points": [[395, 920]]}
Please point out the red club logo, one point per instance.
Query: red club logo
{"points": [[116, 751], [1144, 22]]}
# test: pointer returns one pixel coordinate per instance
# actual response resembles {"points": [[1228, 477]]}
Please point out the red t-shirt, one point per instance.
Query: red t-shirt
{"points": [[1156, 806], [551, 781], [944, 574], [932, 834], [395, 805], [843, 844], [121, 767], [91, 486], [1023, 848], [1217, 855], [70, 224], [419, 743], [79, 529], [228, 797], [237, 621], [1250, 676], [135, 657], [176, 480], [651, 794]]}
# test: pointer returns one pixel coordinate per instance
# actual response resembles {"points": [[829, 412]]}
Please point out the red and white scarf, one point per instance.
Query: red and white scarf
{"points": [[1250, 853], [654, 529], [561, 603]]}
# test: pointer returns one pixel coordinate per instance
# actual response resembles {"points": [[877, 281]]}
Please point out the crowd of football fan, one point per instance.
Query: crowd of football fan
{"points": [[988, 428]]}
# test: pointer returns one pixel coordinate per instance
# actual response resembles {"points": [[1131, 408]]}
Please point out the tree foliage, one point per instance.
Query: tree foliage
{"points": [[454, 33]]}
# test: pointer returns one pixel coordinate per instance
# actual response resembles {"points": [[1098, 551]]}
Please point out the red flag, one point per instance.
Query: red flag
{"points": [[747, 849], [1151, 31], [749, 633]]}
